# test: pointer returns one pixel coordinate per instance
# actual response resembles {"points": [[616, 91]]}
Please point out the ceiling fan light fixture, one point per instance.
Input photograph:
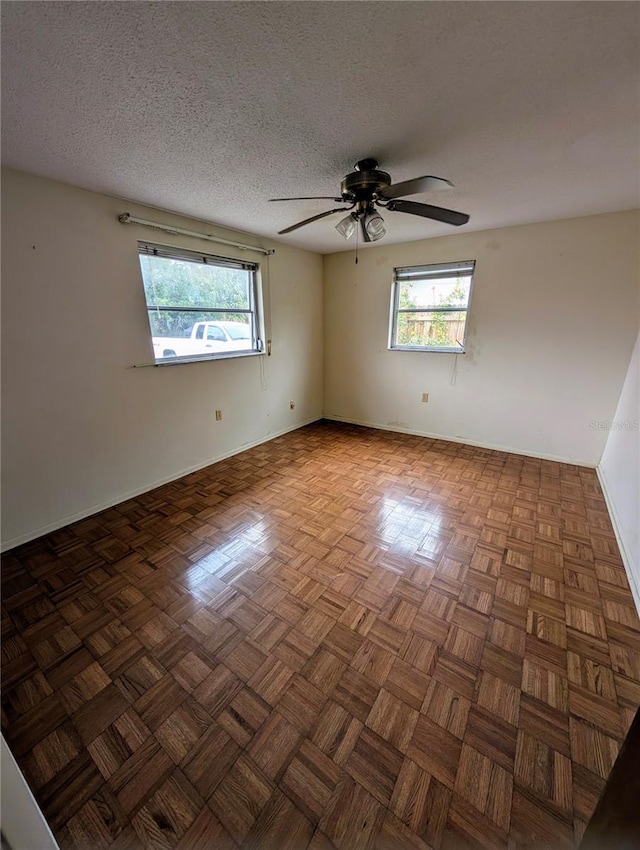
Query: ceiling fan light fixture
{"points": [[347, 226], [374, 225], [366, 187]]}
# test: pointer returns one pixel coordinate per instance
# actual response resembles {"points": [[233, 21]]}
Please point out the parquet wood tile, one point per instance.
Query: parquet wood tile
{"points": [[116, 744], [49, 756], [137, 779], [499, 698], [69, 667], [310, 780], [182, 728], [274, 745], [446, 707], [407, 683], [280, 824], [375, 764], [544, 684], [486, 785], [302, 703], [244, 716], [169, 813], [491, 736], [467, 828], [240, 797], [206, 831], [533, 822], [340, 639], [457, 674], [210, 759], [337, 732], [353, 818], [435, 750], [393, 720]]}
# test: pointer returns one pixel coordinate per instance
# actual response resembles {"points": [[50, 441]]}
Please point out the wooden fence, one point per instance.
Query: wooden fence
{"points": [[447, 329]]}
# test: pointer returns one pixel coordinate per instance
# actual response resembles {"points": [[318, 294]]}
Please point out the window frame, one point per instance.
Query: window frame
{"points": [[254, 310], [420, 273]]}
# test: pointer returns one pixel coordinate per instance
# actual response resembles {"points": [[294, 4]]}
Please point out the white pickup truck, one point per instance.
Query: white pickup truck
{"points": [[205, 338]]}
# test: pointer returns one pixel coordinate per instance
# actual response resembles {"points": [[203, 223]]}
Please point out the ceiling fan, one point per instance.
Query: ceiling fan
{"points": [[367, 188]]}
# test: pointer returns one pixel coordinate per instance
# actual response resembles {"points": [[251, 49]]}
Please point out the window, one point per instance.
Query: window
{"points": [[200, 306], [429, 307]]}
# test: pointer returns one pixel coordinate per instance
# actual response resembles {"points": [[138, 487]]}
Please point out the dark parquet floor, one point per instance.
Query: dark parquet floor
{"points": [[343, 638]]}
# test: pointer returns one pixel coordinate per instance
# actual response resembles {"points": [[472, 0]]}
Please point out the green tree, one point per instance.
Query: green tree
{"points": [[177, 283], [434, 331], [403, 333], [440, 325]]}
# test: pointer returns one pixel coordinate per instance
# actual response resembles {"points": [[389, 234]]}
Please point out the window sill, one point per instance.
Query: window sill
{"points": [[427, 350], [204, 358]]}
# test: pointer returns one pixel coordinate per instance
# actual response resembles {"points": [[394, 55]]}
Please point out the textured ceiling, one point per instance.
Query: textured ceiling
{"points": [[208, 109]]}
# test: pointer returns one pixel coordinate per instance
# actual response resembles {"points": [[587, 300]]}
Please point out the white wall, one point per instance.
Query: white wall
{"points": [[23, 823], [552, 325], [81, 429], [619, 472]]}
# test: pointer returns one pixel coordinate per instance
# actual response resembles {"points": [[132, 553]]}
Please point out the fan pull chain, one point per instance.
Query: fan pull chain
{"points": [[357, 234]]}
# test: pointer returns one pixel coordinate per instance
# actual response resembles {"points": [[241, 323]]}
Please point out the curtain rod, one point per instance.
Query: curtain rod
{"points": [[127, 218]]}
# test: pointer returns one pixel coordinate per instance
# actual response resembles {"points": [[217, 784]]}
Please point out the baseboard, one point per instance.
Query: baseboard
{"points": [[123, 497], [94, 509], [629, 566], [463, 441]]}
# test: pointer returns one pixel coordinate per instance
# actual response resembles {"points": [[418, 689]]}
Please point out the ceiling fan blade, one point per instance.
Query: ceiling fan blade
{"points": [[311, 198], [414, 187], [313, 218], [428, 211]]}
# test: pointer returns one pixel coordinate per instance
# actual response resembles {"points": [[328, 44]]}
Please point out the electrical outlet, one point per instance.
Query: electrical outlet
{"points": [[425, 397], [218, 415], [292, 404]]}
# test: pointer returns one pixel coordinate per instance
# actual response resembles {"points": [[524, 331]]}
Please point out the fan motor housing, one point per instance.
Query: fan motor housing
{"points": [[362, 184]]}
